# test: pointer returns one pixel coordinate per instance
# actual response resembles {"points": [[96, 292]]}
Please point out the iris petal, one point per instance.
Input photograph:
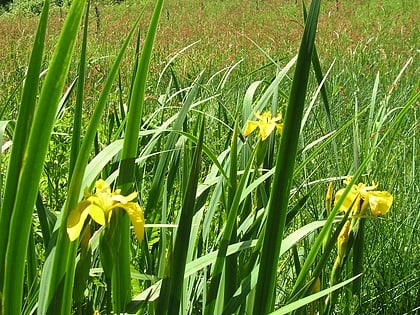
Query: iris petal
{"points": [[349, 200], [136, 217], [250, 127], [266, 128], [97, 214], [380, 202], [76, 219], [102, 186]]}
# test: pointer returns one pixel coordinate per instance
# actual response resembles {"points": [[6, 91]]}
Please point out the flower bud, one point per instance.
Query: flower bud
{"points": [[328, 198], [342, 241]]}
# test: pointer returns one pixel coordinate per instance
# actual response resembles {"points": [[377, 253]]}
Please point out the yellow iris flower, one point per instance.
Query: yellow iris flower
{"points": [[100, 206], [266, 124], [363, 196]]}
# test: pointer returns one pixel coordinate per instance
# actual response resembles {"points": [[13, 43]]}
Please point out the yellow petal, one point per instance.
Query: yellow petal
{"points": [[102, 200], [264, 116], [365, 190], [132, 196], [347, 180], [124, 199], [250, 127], [316, 286], [136, 216], [278, 118], [328, 196], [97, 214], [364, 205], [76, 219], [266, 129], [86, 192], [119, 199], [349, 201], [380, 202], [97, 199], [279, 128], [109, 215], [102, 186]]}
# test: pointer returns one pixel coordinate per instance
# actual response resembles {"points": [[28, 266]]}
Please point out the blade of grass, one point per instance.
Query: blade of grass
{"points": [[44, 221], [279, 196], [306, 300], [249, 282], [216, 275], [31, 264], [20, 136], [265, 98], [121, 280], [33, 161], [135, 111], [202, 262], [320, 78], [77, 120], [322, 261], [231, 263], [157, 184], [179, 256]]}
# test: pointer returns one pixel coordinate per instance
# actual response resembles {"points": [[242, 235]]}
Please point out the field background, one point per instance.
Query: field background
{"points": [[363, 37], [360, 38]]}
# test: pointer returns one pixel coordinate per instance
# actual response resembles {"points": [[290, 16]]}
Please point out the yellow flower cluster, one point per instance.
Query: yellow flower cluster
{"points": [[100, 206], [362, 196], [265, 123]]}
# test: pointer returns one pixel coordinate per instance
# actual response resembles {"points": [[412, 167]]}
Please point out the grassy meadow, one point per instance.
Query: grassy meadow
{"points": [[210, 157]]}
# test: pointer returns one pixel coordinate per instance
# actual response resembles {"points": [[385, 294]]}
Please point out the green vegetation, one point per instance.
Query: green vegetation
{"points": [[264, 153]]}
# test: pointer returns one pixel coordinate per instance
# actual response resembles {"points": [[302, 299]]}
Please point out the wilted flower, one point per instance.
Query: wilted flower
{"points": [[361, 196], [100, 206], [265, 123]]}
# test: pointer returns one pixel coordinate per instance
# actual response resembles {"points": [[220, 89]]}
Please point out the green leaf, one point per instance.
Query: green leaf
{"points": [[216, 275], [308, 299], [279, 196], [121, 282], [32, 163], [60, 264], [20, 136], [170, 301]]}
